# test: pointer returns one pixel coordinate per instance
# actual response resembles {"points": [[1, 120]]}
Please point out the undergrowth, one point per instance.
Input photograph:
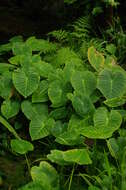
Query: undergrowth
{"points": [[63, 108]]}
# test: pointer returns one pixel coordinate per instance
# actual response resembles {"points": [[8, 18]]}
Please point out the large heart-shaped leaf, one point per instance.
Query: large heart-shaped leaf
{"points": [[70, 138], [20, 48], [81, 103], [40, 127], [96, 59], [21, 146], [79, 156], [57, 93], [46, 175], [112, 83], [66, 55], [104, 125], [25, 82], [41, 94], [115, 102], [6, 85], [43, 68], [40, 45], [32, 110], [59, 113], [84, 82], [10, 108], [33, 186]]}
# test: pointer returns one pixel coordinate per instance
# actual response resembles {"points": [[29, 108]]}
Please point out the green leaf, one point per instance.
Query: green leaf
{"points": [[59, 113], [32, 110], [25, 82], [41, 94], [14, 39], [70, 138], [82, 104], [6, 86], [10, 108], [103, 130], [40, 45], [46, 175], [66, 55], [111, 48], [84, 82], [93, 188], [15, 60], [113, 147], [57, 93], [5, 48], [4, 67], [58, 128], [33, 186], [39, 128], [20, 48], [115, 102], [96, 59], [43, 68], [21, 146], [101, 117], [79, 156], [112, 83]]}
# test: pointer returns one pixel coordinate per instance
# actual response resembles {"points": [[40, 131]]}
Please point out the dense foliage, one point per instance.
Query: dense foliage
{"points": [[62, 99]]}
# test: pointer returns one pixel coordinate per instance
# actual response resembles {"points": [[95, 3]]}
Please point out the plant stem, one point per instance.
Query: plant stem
{"points": [[29, 168], [71, 177], [9, 127]]}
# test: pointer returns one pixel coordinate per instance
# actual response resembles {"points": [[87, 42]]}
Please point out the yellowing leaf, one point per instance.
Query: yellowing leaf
{"points": [[96, 59]]}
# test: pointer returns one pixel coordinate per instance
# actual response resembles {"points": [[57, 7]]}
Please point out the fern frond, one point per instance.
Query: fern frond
{"points": [[96, 42], [81, 27], [60, 35]]}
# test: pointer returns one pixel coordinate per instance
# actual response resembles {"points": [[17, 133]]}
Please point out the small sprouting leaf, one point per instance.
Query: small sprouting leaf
{"points": [[32, 111], [84, 82], [112, 83], [21, 146], [46, 175], [41, 94], [96, 59], [115, 102], [79, 156], [10, 108], [103, 130], [25, 82]]}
